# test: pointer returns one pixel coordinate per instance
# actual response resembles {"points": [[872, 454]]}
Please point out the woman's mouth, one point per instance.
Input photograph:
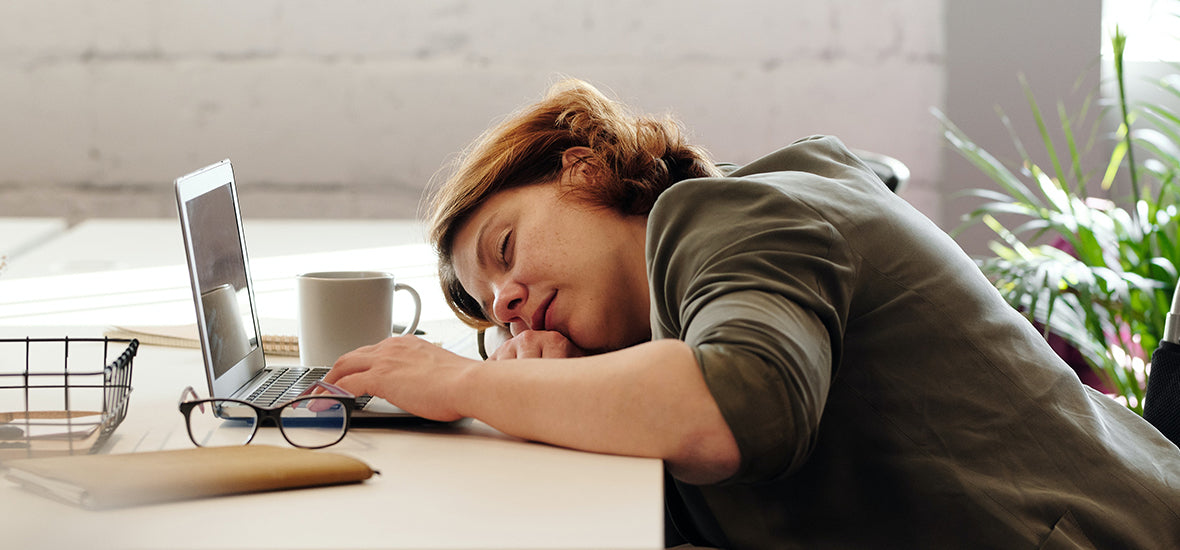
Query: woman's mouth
{"points": [[540, 320]]}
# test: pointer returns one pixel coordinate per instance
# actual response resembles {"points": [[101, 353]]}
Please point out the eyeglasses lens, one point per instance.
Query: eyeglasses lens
{"points": [[314, 422], [234, 426]]}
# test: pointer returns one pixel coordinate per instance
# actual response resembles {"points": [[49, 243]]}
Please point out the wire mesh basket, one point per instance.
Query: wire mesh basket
{"points": [[62, 396]]}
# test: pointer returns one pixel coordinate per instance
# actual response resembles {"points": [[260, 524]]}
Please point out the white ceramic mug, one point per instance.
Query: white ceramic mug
{"points": [[340, 311]]}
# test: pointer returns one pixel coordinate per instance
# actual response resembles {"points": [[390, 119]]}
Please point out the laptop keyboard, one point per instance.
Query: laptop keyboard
{"points": [[286, 383]]}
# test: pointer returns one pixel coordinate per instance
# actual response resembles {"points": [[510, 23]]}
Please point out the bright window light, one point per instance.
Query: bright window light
{"points": [[1152, 28]]}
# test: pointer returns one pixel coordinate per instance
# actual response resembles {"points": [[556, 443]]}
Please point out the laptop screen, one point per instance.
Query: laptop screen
{"points": [[221, 277], [218, 267]]}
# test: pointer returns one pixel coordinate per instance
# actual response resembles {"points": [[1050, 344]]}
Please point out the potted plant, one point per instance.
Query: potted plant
{"points": [[1089, 257]]}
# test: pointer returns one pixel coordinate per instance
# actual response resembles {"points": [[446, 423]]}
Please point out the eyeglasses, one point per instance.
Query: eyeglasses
{"points": [[308, 421]]}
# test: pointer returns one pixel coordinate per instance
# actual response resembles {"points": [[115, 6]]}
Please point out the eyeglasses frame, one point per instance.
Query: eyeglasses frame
{"points": [[346, 399]]}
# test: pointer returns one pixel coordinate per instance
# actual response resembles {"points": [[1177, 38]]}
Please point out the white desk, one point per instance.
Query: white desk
{"points": [[17, 235], [131, 272], [457, 486], [117, 244]]}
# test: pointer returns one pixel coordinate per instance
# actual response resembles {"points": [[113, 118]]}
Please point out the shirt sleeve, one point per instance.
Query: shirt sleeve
{"points": [[754, 281]]}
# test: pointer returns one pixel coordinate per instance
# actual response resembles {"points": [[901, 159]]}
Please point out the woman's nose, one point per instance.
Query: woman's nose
{"points": [[508, 303]]}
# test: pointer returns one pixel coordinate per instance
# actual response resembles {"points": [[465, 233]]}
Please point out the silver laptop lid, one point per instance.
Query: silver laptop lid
{"points": [[211, 223]]}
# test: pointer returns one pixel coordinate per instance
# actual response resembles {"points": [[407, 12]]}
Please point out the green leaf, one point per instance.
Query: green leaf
{"points": [[985, 162], [1044, 131], [1116, 159]]}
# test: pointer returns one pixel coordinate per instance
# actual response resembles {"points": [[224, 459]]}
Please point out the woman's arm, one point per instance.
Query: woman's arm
{"points": [[648, 400]]}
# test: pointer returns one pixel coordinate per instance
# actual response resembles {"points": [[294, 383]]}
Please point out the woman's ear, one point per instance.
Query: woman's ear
{"points": [[582, 160]]}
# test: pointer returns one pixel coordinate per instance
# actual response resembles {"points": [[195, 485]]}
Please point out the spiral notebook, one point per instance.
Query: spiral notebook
{"points": [[187, 336]]}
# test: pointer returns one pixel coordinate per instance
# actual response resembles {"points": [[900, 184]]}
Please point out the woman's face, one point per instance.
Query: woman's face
{"points": [[537, 260]]}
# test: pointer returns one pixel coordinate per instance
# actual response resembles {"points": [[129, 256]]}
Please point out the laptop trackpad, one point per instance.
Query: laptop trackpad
{"points": [[381, 406]]}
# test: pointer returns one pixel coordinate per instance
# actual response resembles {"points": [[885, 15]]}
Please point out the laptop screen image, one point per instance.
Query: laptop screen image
{"points": [[219, 269], [221, 278]]}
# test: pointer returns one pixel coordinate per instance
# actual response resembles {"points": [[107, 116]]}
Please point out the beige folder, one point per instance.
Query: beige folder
{"points": [[118, 480]]}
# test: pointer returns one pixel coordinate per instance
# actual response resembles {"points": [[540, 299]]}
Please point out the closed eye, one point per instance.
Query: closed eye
{"points": [[504, 247]]}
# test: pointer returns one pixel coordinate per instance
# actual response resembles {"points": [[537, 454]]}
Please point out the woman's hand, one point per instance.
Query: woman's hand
{"points": [[533, 344], [407, 371]]}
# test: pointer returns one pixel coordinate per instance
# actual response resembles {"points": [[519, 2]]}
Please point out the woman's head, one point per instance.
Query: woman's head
{"points": [[628, 161]]}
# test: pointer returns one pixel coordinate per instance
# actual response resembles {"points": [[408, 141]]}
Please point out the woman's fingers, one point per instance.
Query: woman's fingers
{"points": [[532, 344]]}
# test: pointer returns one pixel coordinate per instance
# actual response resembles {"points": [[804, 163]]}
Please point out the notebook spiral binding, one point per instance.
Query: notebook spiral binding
{"points": [[62, 396]]}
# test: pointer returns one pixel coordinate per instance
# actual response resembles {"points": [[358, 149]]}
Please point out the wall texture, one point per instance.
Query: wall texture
{"points": [[348, 108], [1055, 44]]}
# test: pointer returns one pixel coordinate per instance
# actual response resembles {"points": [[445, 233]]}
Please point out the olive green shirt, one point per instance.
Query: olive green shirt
{"points": [[881, 392]]}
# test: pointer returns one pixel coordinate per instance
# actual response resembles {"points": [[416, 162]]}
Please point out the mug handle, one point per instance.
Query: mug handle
{"points": [[417, 307]]}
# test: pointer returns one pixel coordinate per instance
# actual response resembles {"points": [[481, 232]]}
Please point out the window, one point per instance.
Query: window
{"points": [[1152, 28]]}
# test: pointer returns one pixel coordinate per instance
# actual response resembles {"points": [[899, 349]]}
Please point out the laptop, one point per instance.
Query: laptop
{"points": [[227, 317]]}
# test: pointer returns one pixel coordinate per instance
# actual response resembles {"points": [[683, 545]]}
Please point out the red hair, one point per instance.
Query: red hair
{"points": [[636, 158]]}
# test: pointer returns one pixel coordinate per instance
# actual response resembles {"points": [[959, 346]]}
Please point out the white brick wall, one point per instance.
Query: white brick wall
{"points": [[347, 103]]}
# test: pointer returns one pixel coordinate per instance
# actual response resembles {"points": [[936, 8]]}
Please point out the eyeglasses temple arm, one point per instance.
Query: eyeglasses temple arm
{"points": [[189, 391]]}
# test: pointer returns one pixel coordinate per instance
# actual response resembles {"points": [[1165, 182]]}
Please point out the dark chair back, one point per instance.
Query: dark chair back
{"points": [[892, 172], [1161, 402]]}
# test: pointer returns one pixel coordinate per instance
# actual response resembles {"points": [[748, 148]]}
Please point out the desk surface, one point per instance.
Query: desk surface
{"points": [[119, 244], [452, 486], [18, 235], [131, 272]]}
